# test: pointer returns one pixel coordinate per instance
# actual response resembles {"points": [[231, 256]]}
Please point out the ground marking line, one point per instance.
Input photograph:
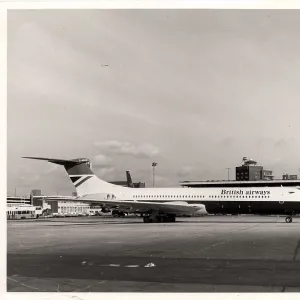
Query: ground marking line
{"points": [[296, 250], [31, 287]]}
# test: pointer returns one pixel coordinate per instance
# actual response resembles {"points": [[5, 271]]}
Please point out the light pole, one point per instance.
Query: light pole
{"points": [[154, 164], [228, 169]]}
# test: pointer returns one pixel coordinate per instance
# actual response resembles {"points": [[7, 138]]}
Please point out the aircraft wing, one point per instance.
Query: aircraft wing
{"points": [[56, 197], [139, 206], [145, 206]]}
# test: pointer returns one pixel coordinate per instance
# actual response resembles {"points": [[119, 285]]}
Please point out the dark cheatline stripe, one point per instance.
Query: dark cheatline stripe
{"points": [[252, 207], [82, 181], [75, 178], [245, 207]]}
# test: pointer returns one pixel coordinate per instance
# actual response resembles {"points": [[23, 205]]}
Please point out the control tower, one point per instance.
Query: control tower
{"points": [[250, 171]]}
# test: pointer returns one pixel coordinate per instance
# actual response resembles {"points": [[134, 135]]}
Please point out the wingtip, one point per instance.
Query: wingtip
{"points": [[38, 158]]}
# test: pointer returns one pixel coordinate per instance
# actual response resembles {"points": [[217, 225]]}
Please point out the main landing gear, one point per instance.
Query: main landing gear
{"points": [[159, 218], [116, 213], [289, 219]]}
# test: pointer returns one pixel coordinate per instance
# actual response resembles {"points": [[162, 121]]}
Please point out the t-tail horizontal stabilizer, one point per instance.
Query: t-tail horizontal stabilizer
{"points": [[78, 166], [61, 161], [81, 175]]}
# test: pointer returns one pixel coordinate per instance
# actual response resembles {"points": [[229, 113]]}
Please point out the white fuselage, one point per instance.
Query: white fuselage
{"points": [[198, 195]]}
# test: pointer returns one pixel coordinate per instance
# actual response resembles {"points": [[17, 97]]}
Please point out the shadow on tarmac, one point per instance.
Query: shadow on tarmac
{"points": [[137, 220], [166, 223]]}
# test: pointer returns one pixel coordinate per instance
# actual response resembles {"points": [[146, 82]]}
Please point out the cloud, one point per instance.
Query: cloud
{"points": [[188, 113], [103, 167], [106, 172], [162, 181], [184, 172], [276, 142], [227, 141], [29, 180], [51, 169], [283, 142], [126, 148], [102, 161]]}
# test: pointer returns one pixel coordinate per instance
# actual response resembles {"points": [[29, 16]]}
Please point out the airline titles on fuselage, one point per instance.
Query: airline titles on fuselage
{"points": [[241, 192]]}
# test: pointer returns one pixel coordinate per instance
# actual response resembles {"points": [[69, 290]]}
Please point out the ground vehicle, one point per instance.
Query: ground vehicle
{"points": [[23, 212]]}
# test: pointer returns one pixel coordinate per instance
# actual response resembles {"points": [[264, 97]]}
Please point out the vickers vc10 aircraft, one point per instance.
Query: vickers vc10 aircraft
{"points": [[163, 204]]}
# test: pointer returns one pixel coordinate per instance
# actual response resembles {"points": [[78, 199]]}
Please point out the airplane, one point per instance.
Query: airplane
{"points": [[163, 204], [129, 179]]}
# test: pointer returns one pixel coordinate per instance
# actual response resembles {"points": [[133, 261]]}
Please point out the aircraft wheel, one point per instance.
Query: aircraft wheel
{"points": [[288, 219]]}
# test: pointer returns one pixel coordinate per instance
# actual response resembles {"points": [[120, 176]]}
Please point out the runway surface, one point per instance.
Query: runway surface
{"points": [[204, 254]]}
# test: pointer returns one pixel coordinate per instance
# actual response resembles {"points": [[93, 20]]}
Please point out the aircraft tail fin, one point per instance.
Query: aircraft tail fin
{"points": [[82, 176]]}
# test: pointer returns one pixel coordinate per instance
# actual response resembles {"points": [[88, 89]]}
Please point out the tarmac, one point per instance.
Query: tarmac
{"points": [[202, 254]]}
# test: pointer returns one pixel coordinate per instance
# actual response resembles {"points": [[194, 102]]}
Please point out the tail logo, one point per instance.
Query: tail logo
{"points": [[78, 180]]}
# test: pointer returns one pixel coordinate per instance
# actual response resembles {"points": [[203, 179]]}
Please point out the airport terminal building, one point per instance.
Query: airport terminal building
{"points": [[249, 174]]}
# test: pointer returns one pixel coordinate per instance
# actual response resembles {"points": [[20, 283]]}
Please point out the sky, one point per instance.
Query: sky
{"points": [[193, 90]]}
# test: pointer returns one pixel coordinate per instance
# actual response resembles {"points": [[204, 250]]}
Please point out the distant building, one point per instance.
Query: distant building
{"points": [[267, 175], [133, 184], [72, 208], [239, 184], [139, 185], [289, 177], [18, 200], [67, 207], [247, 175], [23, 199], [249, 171], [53, 207], [36, 201]]}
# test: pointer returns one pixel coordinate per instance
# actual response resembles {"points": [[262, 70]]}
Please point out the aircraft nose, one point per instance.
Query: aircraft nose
{"points": [[295, 194]]}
